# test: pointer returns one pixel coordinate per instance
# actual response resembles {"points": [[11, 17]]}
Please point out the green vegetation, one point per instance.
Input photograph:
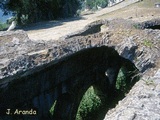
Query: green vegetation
{"points": [[89, 105], [3, 26], [93, 106], [148, 43], [136, 26], [31, 11], [52, 108], [121, 81], [93, 4], [149, 82]]}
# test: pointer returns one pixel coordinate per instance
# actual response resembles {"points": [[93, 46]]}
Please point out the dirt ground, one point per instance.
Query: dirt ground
{"points": [[129, 9]]}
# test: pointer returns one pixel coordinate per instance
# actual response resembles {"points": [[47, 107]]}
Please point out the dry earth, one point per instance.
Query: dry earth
{"points": [[129, 9]]}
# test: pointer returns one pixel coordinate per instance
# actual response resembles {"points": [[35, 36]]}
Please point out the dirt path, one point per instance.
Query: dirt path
{"points": [[56, 29]]}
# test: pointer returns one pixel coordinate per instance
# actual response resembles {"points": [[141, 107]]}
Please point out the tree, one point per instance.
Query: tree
{"points": [[94, 3], [30, 11]]}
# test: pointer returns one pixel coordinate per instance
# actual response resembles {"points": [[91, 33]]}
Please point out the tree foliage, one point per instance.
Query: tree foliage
{"points": [[3, 26], [92, 4], [30, 11]]}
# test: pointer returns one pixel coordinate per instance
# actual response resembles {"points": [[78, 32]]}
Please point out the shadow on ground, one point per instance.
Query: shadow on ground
{"points": [[49, 24]]}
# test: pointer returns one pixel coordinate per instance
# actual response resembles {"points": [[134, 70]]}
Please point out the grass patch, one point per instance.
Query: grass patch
{"points": [[147, 43], [3, 26], [52, 108], [136, 26], [149, 82]]}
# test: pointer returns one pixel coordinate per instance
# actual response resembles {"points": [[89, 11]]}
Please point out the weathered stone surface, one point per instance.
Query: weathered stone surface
{"points": [[8, 36], [61, 77], [141, 103], [148, 24], [20, 57], [17, 52], [141, 47], [117, 35], [91, 28]]}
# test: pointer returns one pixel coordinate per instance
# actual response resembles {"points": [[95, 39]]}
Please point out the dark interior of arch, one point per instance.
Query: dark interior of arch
{"points": [[66, 81], [154, 27], [108, 101], [68, 104]]}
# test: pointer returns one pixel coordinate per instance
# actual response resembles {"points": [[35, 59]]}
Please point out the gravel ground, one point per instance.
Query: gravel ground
{"points": [[53, 30]]}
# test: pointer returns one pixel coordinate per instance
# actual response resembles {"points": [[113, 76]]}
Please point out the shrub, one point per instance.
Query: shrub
{"points": [[89, 105], [121, 81], [3, 26], [92, 105], [92, 4], [30, 11]]}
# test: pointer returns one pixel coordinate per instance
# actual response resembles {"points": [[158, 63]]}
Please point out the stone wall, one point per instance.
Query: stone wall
{"points": [[17, 51], [142, 102], [140, 46]]}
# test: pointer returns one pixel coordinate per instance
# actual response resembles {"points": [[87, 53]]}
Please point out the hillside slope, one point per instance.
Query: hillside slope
{"points": [[55, 29]]}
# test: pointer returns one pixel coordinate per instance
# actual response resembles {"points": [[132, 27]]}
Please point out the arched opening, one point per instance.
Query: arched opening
{"points": [[89, 105], [66, 106], [93, 90], [62, 107], [95, 103], [154, 27], [92, 102], [79, 76]]}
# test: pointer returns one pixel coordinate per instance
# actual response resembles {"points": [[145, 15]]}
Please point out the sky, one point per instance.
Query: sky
{"points": [[3, 18]]}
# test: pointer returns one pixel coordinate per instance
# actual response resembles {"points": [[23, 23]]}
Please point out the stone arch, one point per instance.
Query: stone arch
{"points": [[65, 79], [131, 72], [68, 103]]}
